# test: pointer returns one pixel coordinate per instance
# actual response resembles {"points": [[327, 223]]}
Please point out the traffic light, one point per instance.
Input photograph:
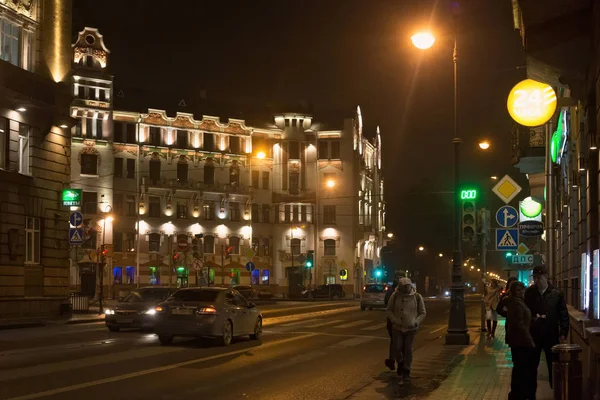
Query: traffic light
{"points": [[469, 219], [228, 252], [310, 259], [378, 273], [177, 257], [104, 253]]}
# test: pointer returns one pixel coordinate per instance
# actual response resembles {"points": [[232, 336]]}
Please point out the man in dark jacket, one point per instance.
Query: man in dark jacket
{"points": [[502, 308], [390, 362], [549, 316]]}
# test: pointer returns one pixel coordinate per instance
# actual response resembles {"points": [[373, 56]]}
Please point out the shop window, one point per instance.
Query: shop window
{"points": [[234, 277], [130, 275], [154, 278], [256, 277], [265, 277], [117, 275]]}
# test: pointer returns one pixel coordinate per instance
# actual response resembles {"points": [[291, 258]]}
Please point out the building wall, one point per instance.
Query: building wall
{"points": [[34, 168]]}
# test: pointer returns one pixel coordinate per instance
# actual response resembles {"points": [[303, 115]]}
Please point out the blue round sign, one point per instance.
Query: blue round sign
{"points": [[507, 216], [76, 219], [250, 266]]}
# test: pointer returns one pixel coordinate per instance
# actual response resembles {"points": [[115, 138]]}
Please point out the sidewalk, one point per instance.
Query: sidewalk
{"points": [[481, 371], [76, 318]]}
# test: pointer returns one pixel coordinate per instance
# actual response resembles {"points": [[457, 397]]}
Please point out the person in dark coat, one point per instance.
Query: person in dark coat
{"points": [[502, 308], [549, 316], [390, 362], [524, 374]]}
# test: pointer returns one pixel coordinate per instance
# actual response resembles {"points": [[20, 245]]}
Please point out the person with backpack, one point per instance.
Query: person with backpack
{"points": [[406, 311], [390, 362]]}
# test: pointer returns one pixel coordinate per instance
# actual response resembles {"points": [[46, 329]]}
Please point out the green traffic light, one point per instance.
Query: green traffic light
{"points": [[308, 264], [508, 254], [378, 273], [469, 194]]}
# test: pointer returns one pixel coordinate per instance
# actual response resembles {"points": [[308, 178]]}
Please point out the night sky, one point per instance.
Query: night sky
{"points": [[328, 56]]}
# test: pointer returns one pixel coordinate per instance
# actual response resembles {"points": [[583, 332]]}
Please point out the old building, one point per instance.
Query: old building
{"points": [[210, 195], [34, 156]]}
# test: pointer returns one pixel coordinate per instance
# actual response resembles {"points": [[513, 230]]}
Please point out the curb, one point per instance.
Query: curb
{"points": [[21, 325]]}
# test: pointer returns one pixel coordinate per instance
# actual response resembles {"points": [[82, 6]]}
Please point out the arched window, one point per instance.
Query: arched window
{"points": [[209, 244], [234, 243], [296, 246], [329, 247]]}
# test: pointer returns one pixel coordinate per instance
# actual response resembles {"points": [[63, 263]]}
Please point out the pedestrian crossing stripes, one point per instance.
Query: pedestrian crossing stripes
{"points": [[353, 324], [320, 324], [351, 342], [374, 327]]}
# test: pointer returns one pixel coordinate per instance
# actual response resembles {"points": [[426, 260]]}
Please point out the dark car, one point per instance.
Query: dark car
{"points": [[136, 310], [247, 291], [331, 291], [207, 312], [373, 296]]}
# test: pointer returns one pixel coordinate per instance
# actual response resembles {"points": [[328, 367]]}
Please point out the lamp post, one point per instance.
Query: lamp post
{"points": [[457, 321], [107, 209]]}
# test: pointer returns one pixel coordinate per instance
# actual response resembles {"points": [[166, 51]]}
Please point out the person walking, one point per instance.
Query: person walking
{"points": [[502, 308], [390, 362], [549, 316], [492, 298], [523, 383], [406, 311]]}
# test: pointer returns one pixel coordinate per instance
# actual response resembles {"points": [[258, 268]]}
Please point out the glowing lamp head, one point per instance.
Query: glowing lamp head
{"points": [[422, 40], [421, 248], [110, 218], [260, 155], [330, 183], [484, 145]]}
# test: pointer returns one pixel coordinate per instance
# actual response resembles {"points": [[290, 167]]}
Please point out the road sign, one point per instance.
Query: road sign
{"points": [[183, 244], [531, 228], [71, 197], [507, 239], [522, 259], [507, 216], [522, 249], [250, 266], [249, 253], [197, 264], [76, 219], [506, 189], [75, 235]]}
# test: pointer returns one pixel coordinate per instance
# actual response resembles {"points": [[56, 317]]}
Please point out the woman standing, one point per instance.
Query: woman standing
{"points": [[524, 374], [492, 298]]}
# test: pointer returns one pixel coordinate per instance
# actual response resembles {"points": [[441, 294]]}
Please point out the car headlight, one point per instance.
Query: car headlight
{"points": [[151, 311], [108, 311]]}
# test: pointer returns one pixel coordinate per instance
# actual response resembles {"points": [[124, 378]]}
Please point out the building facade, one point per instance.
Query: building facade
{"points": [[210, 196], [34, 156]]}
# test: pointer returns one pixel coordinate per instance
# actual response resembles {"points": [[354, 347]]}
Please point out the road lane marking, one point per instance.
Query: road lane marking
{"points": [[123, 377], [351, 342], [335, 321], [301, 322], [339, 335], [353, 324], [374, 327], [439, 329], [289, 318]]}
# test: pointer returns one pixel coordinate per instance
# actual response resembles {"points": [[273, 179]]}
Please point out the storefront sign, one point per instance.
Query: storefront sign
{"points": [[71, 197], [531, 228], [530, 210], [531, 103], [559, 138], [595, 292]]}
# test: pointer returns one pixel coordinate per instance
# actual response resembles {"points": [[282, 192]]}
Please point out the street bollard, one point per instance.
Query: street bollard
{"points": [[566, 372]]}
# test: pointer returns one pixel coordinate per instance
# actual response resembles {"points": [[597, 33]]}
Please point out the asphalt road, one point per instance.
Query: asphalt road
{"points": [[308, 351]]}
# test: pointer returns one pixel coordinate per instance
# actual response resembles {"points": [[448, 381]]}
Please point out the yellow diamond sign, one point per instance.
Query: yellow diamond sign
{"points": [[506, 189], [522, 249]]}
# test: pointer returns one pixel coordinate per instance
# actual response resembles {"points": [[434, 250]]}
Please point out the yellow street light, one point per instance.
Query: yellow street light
{"points": [[465, 264], [110, 218], [421, 248], [422, 40], [478, 269], [484, 145], [330, 183], [390, 235], [440, 255], [260, 155], [494, 177]]}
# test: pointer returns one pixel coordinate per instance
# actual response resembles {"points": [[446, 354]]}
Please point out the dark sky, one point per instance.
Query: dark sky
{"points": [[332, 55]]}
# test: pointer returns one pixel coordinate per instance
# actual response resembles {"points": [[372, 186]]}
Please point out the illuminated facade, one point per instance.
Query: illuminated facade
{"points": [[34, 157], [209, 196]]}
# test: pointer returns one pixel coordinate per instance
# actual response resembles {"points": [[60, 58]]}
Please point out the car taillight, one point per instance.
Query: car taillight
{"points": [[364, 288], [386, 288], [207, 310], [159, 309]]}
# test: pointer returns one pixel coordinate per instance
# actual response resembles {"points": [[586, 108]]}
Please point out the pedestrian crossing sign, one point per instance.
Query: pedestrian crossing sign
{"points": [[507, 239], [75, 235]]}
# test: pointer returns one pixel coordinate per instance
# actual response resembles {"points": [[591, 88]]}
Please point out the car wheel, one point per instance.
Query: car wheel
{"points": [[114, 328], [165, 340], [257, 330], [362, 308], [227, 334]]}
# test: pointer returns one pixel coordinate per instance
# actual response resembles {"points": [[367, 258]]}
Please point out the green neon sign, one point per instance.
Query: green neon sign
{"points": [[559, 138], [469, 194], [531, 208], [71, 197]]}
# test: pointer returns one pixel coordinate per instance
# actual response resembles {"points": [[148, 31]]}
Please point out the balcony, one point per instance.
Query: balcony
{"points": [[193, 185], [528, 149]]}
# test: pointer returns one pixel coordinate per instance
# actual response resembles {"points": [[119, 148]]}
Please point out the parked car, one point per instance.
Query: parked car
{"points": [[373, 296], [137, 309], [207, 312], [333, 291], [247, 291]]}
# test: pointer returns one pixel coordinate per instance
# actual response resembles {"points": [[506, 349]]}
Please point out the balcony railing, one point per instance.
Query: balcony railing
{"points": [[191, 184]]}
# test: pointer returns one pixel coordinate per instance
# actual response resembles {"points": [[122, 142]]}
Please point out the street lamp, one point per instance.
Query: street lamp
{"points": [[457, 320], [440, 255], [421, 248], [484, 145], [109, 218], [330, 183], [260, 155], [494, 177], [390, 235]]}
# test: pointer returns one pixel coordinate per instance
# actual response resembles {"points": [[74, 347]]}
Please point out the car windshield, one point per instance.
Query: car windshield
{"points": [[374, 288], [138, 296], [195, 295]]}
